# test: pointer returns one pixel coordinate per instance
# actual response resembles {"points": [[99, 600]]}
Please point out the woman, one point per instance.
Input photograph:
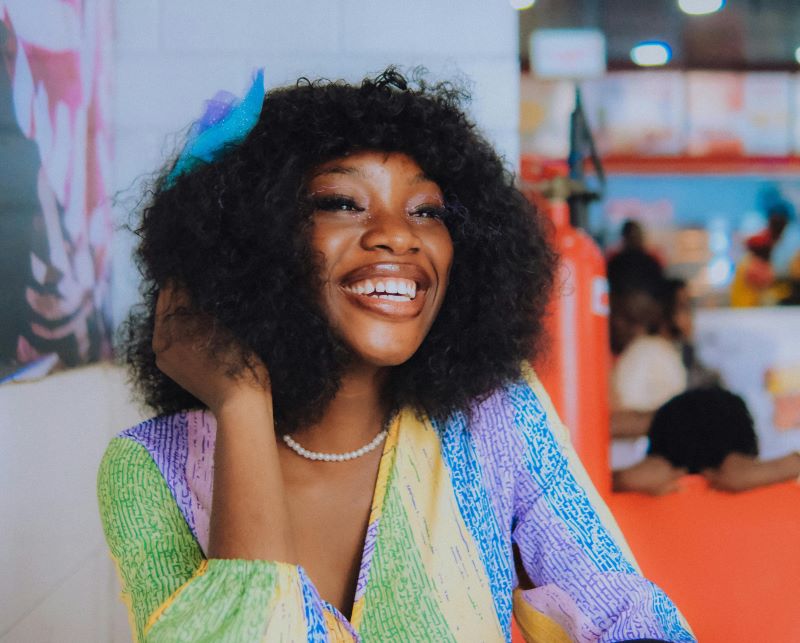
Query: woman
{"points": [[344, 298]]}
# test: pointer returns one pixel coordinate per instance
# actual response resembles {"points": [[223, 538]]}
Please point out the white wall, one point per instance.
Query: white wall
{"points": [[57, 582], [171, 55]]}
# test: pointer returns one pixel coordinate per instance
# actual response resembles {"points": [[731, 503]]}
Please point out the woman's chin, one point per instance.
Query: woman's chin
{"points": [[381, 345], [379, 357]]}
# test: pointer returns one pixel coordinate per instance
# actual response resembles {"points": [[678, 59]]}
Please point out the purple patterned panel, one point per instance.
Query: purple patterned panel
{"points": [[166, 438], [590, 599], [499, 448], [366, 558], [201, 437]]}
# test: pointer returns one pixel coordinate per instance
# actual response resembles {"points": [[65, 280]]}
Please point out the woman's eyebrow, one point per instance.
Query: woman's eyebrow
{"points": [[421, 178], [338, 169]]}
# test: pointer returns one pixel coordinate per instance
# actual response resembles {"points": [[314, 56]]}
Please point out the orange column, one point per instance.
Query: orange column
{"points": [[575, 370]]}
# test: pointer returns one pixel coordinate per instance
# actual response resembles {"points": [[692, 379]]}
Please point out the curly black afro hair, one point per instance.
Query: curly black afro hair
{"points": [[235, 233]]}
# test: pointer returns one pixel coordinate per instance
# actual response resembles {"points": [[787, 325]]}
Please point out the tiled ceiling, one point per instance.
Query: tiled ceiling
{"points": [[745, 34]]}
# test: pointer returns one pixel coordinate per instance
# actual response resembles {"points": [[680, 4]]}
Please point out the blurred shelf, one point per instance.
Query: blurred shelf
{"points": [[702, 164]]}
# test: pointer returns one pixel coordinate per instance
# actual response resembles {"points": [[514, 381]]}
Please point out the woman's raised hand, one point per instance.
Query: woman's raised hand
{"points": [[249, 516], [187, 349]]}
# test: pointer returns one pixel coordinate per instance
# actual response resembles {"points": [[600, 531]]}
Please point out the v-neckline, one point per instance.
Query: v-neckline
{"points": [[371, 534]]}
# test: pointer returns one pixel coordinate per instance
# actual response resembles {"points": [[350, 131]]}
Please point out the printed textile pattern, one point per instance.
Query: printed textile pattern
{"points": [[451, 500]]}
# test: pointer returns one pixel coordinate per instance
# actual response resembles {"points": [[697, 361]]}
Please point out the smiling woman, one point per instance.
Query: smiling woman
{"points": [[386, 251], [352, 269]]}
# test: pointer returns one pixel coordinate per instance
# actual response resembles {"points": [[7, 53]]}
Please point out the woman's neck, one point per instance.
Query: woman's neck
{"points": [[354, 416]]}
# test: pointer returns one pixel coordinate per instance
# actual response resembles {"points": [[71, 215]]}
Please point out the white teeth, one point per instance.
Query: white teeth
{"points": [[393, 289]]}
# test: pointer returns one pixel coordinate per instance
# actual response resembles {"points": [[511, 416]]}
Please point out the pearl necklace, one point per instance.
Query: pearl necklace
{"points": [[334, 457]]}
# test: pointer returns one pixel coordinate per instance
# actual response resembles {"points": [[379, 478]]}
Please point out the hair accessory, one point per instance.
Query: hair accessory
{"points": [[226, 121]]}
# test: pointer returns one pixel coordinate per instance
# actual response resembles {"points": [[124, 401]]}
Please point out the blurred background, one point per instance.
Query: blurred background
{"points": [[694, 111]]}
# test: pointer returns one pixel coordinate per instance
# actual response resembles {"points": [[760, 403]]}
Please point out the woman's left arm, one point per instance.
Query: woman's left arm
{"points": [[584, 575]]}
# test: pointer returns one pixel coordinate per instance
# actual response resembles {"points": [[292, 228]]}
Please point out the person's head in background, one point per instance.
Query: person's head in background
{"points": [[633, 313], [636, 284], [678, 322], [777, 219], [762, 244], [632, 235], [697, 429]]}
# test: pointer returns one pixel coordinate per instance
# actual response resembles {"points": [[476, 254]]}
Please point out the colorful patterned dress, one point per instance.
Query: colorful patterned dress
{"points": [[451, 501]]}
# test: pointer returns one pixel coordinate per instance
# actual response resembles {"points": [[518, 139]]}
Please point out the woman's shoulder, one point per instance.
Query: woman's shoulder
{"points": [[534, 412], [155, 441], [174, 451], [163, 430], [517, 417], [169, 439]]}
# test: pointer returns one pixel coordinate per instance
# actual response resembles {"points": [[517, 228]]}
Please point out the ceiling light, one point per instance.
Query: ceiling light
{"points": [[651, 53], [521, 5], [699, 7]]}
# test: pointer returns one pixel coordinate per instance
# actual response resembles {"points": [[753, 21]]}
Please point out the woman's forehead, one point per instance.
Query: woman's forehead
{"points": [[368, 165]]}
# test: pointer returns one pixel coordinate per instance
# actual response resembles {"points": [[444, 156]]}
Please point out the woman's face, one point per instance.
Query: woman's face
{"points": [[377, 221]]}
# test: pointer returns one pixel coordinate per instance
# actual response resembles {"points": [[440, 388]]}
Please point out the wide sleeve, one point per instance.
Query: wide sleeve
{"points": [[586, 582], [173, 593]]}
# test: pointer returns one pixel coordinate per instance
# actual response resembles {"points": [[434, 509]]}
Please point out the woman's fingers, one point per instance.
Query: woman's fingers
{"points": [[200, 355], [171, 301]]}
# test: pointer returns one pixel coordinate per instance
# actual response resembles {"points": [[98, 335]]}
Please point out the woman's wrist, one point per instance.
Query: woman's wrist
{"points": [[244, 404]]}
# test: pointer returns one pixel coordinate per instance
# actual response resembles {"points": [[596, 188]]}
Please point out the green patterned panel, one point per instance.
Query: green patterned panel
{"points": [[231, 602], [149, 539], [400, 601]]}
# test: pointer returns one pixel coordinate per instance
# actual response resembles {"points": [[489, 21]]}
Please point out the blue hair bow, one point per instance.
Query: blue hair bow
{"points": [[226, 121]]}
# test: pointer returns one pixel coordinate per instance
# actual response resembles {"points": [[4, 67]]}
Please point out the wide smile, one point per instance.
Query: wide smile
{"points": [[397, 291]]}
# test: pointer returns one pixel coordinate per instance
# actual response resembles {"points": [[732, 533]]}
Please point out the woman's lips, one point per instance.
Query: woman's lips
{"points": [[388, 289], [385, 271], [387, 305]]}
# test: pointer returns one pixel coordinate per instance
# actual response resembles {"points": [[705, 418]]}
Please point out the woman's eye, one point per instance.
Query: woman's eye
{"points": [[336, 204], [429, 212]]}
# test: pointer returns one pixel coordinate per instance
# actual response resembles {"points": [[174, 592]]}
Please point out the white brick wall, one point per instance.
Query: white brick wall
{"points": [[171, 55]]}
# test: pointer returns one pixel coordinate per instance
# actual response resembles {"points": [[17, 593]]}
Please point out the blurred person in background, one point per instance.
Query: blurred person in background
{"points": [[754, 282], [679, 327], [792, 297], [704, 430], [633, 239], [648, 369]]}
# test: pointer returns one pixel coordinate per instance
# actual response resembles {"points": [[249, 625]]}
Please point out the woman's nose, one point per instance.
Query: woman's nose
{"points": [[390, 231]]}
